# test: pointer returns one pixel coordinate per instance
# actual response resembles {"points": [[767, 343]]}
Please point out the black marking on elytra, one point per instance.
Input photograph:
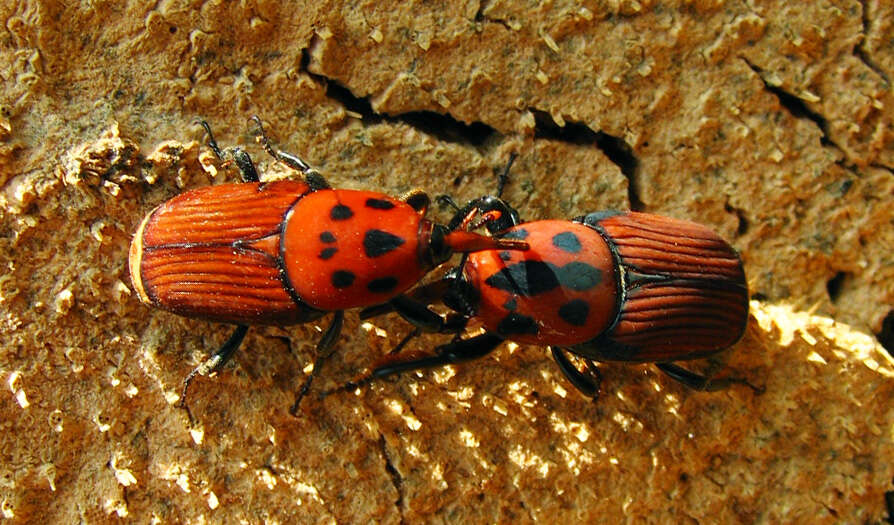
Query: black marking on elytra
{"points": [[342, 278], [511, 304], [517, 324], [340, 212], [377, 242], [382, 285], [579, 276], [379, 204], [505, 255], [327, 237], [566, 241], [575, 312], [520, 234], [327, 253]]}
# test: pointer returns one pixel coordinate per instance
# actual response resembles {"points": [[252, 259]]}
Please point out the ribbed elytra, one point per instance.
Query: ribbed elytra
{"points": [[697, 301], [183, 257]]}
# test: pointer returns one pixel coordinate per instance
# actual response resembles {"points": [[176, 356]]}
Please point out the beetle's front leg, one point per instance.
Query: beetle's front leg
{"points": [[324, 352]]}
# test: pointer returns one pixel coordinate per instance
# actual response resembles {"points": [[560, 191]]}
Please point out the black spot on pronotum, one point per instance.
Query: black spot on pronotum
{"points": [[575, 312], [517, 324], [525, 278], [510, 304], [340, 212], [535, 277], [566, 241], [382, 285], [377, 243], [505, 255], [579, 276], [520, 233], [327, 253], [379, 204], [327, 237], [342, 278]]}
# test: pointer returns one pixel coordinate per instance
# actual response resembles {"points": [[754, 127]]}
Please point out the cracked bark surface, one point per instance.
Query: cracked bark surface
{"points": [[769, 122]]}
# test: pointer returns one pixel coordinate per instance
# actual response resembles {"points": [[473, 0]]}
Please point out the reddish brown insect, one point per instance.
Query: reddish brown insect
{"points": [[608, 286], [288, 252]]}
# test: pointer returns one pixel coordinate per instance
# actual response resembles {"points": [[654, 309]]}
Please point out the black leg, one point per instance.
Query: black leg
{"points": [[452, 353], [217, 360], [504, 176], [588, 383], [375, 311], [403, 342], [324, 351], [312, 176], [245, 165], [702, 383], [211, 142], [447, 200], [241, 158], [417, 314], [426, 294]]}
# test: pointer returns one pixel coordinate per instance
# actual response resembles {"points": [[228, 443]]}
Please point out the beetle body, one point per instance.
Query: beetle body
{"points": [[607, 286], [614, 286], [288, 252], [277, 253]]}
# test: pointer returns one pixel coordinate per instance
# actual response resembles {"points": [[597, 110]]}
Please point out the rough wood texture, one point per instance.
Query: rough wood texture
{"points": [[769, 122]]}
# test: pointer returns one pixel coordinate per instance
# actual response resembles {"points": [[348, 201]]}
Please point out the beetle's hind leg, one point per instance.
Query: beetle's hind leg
{"points": [[703, 383], [216, 361], [246, 166], [588, 382], [312, 176], [241, 158], [457, 351], [324, 351], [212, 143]]}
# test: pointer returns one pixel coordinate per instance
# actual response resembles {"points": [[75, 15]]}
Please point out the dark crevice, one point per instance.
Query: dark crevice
{"points": [[481, 18], [446, 128], [395, 477], [441, 126], [797, 107], [830, 510], [860, 48], [615, 148], [886, 335], [479, 14], [835, 284]]}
